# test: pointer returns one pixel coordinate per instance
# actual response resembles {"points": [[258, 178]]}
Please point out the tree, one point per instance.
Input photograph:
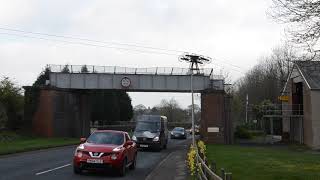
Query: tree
{"points": [[126, 110], [105, 106], [84, 69], [3, 117], [265, 81], [109, 106], [172, 110], [43, 76], [12, 101], [197, 112], [139, 109], [303, 16], [65, 69]]}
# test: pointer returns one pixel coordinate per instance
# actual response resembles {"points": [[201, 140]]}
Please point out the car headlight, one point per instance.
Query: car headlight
{"points": [[80, 147], [134, 138], [78, 151], [156, 138], [171, 133], [79, 154], [114, 156]]}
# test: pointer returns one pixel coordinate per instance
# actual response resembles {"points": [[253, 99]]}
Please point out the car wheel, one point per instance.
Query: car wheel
{"points": [[77, 170], [134, 162], [122, 170]]}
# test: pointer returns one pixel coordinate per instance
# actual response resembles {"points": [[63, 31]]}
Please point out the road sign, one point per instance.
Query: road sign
{"points": [[284, 98], [213, 129]]}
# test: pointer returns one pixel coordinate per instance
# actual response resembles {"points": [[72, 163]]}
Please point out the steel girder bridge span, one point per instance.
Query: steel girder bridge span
{"points": [[63, 105]]}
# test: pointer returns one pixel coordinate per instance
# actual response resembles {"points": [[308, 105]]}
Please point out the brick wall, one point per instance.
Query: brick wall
{"points": [[214, 114]]}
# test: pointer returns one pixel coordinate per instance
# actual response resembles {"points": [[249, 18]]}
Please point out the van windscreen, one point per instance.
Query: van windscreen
{"points": [[151, 126]]}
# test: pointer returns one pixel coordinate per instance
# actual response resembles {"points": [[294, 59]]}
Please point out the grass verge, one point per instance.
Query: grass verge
{"points": [[266, 163], [13, 143]]}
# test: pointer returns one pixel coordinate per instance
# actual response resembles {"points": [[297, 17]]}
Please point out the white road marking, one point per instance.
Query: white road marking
{"points": [[39, 173]]}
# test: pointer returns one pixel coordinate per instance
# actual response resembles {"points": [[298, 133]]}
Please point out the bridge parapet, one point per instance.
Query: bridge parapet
{"points": [[130, 70], [133, 79]]}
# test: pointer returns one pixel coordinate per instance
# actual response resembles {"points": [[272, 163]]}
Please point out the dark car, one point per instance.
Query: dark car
{"points": [[178, 133], [105, 149], [151, 132]]}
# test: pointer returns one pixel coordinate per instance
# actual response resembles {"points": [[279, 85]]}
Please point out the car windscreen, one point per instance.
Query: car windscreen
{"points": [[148, 118], [151, 126], [178, 129], [106, 138]]}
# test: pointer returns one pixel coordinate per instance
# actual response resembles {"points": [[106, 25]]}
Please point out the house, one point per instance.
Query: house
{"points": [[301, 109]]}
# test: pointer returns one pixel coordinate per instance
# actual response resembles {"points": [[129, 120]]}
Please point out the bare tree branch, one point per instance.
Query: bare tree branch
{"points": [[303, 18]]}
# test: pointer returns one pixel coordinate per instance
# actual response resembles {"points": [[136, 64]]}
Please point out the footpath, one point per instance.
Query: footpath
{"points": [[173, 167]]}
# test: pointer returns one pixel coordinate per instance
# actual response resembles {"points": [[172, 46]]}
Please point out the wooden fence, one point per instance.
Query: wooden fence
{"points": [[207, 173]]}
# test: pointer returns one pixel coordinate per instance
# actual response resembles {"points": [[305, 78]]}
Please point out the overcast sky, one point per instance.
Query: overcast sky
{"points": [[234, 33]]}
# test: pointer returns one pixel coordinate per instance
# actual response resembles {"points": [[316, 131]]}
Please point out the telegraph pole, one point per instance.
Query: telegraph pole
{"points": [[194, 60]]}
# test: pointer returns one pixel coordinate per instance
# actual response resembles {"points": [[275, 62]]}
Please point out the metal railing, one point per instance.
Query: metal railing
{"points": [[283, 109], [130, 70], [206, 173]]}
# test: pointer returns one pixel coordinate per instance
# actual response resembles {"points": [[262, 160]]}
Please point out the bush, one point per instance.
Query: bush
{"points": [[3, 117], [242, 133], [8, 136], [191, 158]]}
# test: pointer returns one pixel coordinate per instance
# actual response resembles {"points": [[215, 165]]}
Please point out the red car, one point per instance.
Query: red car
{"points": [[105, 149]]}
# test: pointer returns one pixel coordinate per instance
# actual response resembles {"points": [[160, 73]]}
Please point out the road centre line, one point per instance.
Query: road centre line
{"points": [[43, 172]]}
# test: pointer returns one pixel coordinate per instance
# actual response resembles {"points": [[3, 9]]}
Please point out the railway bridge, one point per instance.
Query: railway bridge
{"points": [[63, 108]]}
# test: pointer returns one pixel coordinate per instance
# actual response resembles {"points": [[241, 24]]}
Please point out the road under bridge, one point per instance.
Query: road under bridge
{"points": [[63, 108]]}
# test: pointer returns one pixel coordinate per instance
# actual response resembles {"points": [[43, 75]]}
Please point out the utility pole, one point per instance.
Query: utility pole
{"points": [[194, 61], [192, 109]]}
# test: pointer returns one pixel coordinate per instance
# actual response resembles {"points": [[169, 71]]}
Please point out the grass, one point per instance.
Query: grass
{"points": [[266, 163], [13, 143]]}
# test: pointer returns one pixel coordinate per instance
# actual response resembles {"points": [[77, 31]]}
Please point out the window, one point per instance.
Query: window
{"points": [[106, 138]]}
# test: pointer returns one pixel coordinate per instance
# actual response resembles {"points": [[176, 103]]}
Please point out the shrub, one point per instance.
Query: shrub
{"points": [[191, 160], [242, 133]]}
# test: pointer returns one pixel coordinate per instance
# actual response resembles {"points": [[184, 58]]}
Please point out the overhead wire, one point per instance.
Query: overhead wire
{"points": [[115, 45], [91, 40], [88, 44]]}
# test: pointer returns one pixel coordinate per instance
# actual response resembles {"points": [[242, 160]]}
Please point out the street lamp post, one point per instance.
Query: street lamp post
{"points": [[192, 110], [194, 61]]}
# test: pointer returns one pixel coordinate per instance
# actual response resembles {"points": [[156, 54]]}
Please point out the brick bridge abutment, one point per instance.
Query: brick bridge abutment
{"points": [[66, 113]]}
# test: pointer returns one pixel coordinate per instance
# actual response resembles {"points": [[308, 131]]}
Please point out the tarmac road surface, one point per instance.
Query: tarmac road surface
{"points": [[56, 164]]}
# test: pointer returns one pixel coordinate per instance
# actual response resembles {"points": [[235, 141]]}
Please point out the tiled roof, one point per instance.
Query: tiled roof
{"points": [[311, 72]]}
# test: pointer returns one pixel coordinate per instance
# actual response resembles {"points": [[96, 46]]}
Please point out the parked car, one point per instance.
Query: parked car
{"points": [[178, 133], [151, 132], [105, 149]]}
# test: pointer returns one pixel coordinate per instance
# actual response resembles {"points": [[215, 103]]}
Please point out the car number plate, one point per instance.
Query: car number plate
{"points": [[143, 145], [95, 161]]}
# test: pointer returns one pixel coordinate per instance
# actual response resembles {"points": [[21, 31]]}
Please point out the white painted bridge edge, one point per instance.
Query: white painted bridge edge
{"points": [[138, 82]]}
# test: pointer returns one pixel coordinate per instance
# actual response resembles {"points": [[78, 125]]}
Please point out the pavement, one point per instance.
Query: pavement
{"points": [[172, 167], [56, 163]]}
